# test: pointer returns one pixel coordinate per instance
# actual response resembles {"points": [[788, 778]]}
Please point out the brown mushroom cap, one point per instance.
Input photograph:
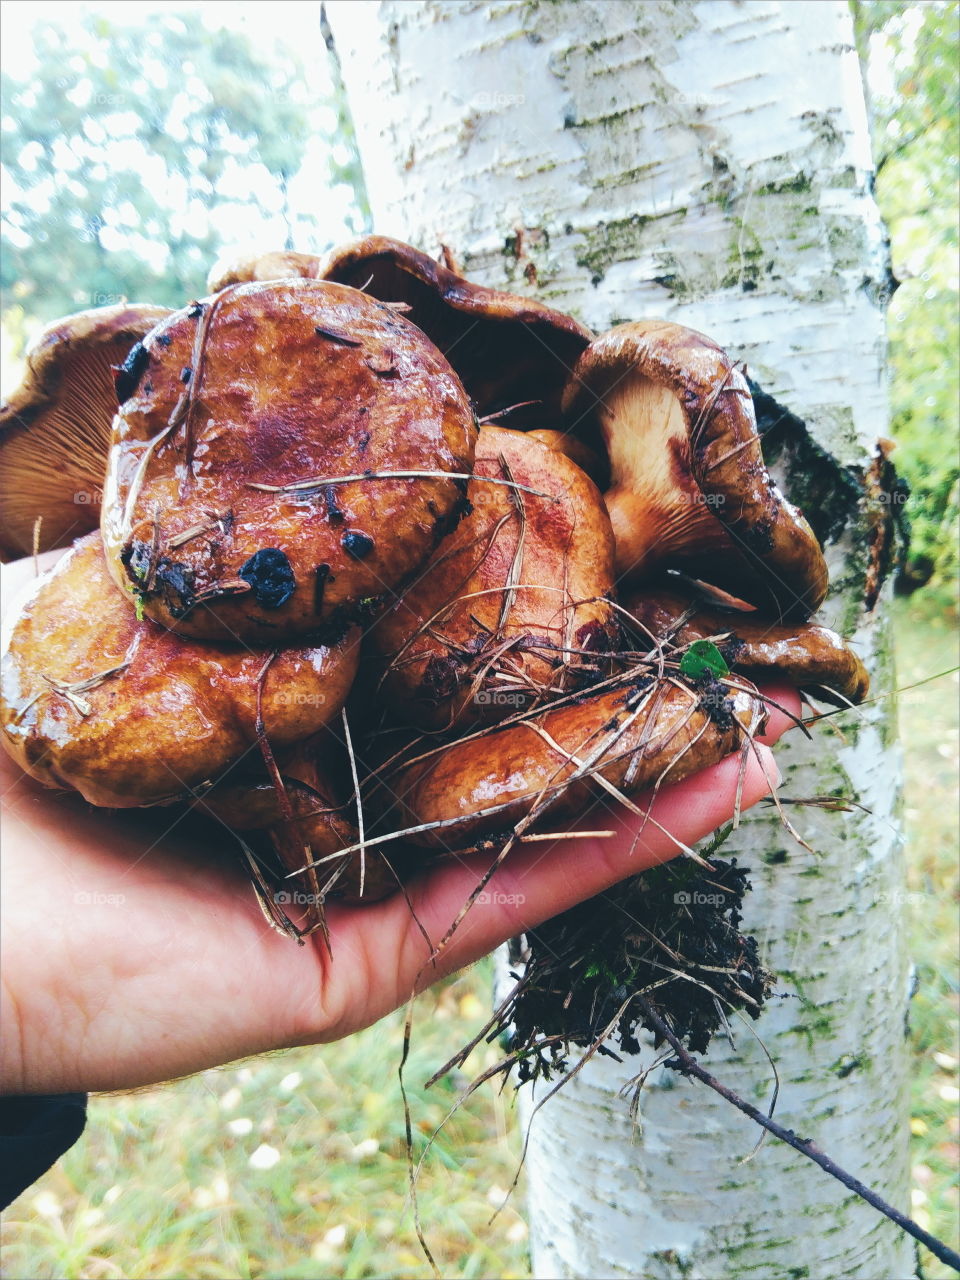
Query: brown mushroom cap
{"points": [[514, 603], [223, 504], [130, 714], [808, 656], [632, 736], [265, 266], [689, 487], [55, 428], [311, 822], [505, 348]]}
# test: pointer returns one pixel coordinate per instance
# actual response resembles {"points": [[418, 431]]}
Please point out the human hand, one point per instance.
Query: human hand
{"points": [[134, 950]]}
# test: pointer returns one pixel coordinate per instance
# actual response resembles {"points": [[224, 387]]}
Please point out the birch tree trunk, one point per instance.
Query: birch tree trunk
{"points": [[707, 162]]}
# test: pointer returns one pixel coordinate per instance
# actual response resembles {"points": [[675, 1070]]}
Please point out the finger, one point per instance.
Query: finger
{"points": [[543, 880], [784, 707]]}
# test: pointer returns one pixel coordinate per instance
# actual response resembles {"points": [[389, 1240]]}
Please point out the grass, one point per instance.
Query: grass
{"points": [[293, 1165], [927, 642]]}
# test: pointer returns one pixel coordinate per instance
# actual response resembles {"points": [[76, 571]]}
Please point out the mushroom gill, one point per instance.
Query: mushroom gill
{"points": [[55, 427], [689, 488]]}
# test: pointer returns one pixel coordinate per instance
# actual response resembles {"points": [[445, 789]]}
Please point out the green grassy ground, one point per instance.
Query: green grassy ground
{"points": [[929, 727], [294, 1165]]}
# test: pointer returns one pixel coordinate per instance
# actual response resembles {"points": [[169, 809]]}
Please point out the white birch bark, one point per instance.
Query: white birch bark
{"points": [[708, 162]]}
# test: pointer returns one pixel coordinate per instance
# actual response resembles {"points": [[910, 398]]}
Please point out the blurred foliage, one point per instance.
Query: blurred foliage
{"points": [[910, 54], [124, 151]]}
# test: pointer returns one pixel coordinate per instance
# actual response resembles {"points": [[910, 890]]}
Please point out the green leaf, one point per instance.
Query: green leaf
{"points": [[703, 658]]}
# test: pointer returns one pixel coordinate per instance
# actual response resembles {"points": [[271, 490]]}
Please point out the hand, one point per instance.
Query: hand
{"points": [[135, 952]]}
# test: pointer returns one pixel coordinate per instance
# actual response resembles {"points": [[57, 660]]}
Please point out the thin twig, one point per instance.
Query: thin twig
{"points": [[689, 1066], [301, 486]]}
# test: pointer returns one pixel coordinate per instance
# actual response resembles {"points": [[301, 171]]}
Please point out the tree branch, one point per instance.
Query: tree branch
{"points": [[688, 1066]]}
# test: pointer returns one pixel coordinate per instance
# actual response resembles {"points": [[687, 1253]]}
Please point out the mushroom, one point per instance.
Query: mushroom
{"points": [[266, 266], [507, 349], [130, 714], [55, 428], [305, 821], [808, 656], [623, 740], [287, 457], [588, 460], [514, 606], [689, 489]]}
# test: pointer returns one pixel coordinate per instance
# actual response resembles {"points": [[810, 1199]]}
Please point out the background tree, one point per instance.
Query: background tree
{"points": [[909, 53], [707, 162], [134, 154]]}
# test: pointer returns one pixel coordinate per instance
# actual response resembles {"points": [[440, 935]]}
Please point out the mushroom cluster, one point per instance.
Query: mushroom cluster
{"points": [[389, 565]]}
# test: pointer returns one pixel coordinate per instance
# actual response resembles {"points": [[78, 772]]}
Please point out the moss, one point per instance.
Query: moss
{"points": [[798, 182], [610, 242], [845, 236], [849, 1063]]}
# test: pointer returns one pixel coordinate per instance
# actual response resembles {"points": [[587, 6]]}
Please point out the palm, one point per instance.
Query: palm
{"points": [[134, 949]]}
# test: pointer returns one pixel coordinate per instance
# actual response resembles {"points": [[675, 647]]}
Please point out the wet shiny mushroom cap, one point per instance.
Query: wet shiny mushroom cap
{"points": [[130, 714], [807, 655], [689, 488], [551, 764], [506, 349], [282, 463], [514, 605], [55, 427]]}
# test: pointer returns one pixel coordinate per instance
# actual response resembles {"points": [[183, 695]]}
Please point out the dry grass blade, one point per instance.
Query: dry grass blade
{"points": [[71, 691], [408, 1134], [37, 526], [359, 802]]}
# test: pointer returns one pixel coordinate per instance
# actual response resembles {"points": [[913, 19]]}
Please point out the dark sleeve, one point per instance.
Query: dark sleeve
{"points": [[34, 1132]]}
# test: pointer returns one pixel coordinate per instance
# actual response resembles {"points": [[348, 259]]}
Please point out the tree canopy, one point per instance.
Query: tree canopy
{"points": [[131, 155]]}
